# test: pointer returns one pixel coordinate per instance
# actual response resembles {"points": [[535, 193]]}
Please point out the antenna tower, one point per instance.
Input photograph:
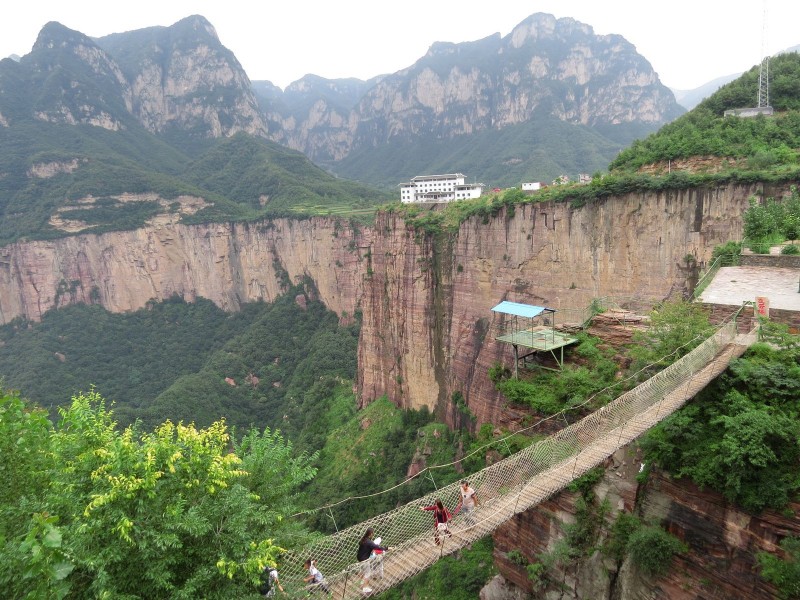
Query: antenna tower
{"points": [[763, 73]]}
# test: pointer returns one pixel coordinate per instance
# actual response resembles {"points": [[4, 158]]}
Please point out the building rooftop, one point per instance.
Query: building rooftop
{"points": [[734, 285]]}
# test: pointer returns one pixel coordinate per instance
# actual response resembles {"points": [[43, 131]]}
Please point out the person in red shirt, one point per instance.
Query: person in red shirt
{"points": [[440, 518]]}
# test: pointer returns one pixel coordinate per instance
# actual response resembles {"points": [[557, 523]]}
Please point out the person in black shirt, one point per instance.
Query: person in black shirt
{"points": [[365, 549]]}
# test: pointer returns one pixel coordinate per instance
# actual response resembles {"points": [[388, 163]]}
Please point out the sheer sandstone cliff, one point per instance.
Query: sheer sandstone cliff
{"points": [[427, 328], [722, 541]]}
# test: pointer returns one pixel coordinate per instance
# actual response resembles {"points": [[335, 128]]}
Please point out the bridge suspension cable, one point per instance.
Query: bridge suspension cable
{"points": [[513, 484]]}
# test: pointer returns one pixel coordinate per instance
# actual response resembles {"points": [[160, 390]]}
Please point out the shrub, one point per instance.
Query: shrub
{"points": [[651, 549], [784, 574], [760, 247], [498, 372], [790, 249], [625, 525], [730, 251], [586, 482], [537, 573]]}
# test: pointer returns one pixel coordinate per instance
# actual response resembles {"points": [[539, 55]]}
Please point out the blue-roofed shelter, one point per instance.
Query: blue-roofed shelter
{"points": [[534, 327]]}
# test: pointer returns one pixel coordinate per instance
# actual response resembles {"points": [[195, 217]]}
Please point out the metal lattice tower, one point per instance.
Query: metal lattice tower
{"points": [[763, 74]]}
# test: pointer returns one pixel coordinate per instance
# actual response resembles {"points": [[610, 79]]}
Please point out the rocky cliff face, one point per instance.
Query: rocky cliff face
{"points": [[545, 65], [723, 542], [427, 328], [183, 79], [228, 264], [177, 78]]}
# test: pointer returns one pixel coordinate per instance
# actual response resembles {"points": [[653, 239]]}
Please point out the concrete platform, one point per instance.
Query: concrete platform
{"points": [[734, 285]]}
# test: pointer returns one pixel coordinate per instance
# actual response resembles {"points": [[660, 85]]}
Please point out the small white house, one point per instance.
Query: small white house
{"points": [[439, 188], [532, 186]]}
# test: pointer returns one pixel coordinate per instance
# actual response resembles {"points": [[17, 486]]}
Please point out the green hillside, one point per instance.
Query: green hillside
{"points": [[270, 179], [737, 143], [241, 178], [538, 150], [74, 158], [170, 361]]}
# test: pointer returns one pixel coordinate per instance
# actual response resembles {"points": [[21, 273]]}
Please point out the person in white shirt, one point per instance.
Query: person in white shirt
{"points": [[273, 582], [315, 579], [468, 502]]}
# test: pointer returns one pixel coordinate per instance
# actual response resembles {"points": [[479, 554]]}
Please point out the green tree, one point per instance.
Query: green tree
{"points": [[740, 435], [760, 220], [651, 549], [791, 216], [783, 573], [675, 329], [167, 514]]}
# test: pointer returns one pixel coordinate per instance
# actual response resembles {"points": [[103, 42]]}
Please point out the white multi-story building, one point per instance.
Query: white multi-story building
{"points": [[439, 188]]}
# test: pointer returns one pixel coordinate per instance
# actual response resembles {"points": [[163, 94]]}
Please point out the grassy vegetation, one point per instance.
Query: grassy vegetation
{"points": [[589, 368], [240, 178], [762, 142], [740, 435], [771, 223]]}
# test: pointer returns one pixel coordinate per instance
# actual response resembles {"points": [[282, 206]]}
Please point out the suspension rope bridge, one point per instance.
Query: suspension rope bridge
{"points": [[514, 484]]}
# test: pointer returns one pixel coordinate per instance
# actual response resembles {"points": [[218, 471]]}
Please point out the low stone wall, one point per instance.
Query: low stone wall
{"points": [[786, 261], [746, 320]]}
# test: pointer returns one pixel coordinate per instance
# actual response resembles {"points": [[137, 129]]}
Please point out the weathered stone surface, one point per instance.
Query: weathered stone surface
{"points": [[723, 542], [537, 531], [228, 264], [427, 328], [499, 589], [461, 89]]}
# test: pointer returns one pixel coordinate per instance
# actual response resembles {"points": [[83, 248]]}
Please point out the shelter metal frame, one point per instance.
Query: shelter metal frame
{"points": [[532, 327]]}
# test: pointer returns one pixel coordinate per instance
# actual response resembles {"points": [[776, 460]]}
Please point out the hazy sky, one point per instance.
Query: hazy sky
{"points": [[688, 42]]}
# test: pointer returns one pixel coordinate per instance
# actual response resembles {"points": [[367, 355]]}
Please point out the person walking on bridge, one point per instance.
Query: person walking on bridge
{"points": [[440, 518], [365, 549], [468, 503], [315, 579]]}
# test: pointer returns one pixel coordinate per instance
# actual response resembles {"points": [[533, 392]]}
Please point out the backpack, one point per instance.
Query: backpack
{"points": [[266, 581]]}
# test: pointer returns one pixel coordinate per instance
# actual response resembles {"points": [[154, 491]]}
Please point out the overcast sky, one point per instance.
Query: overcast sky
{"points": [[688, 42]]}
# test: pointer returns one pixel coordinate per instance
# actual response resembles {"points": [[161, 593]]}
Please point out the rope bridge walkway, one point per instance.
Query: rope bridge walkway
{"points": [[514, 484]]}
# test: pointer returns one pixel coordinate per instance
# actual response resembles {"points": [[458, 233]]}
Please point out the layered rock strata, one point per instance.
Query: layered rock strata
{"points": [[722, 540], [427, 326]]}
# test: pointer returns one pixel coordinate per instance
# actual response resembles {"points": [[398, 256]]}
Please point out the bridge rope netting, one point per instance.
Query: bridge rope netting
{"points": [[511, 485]]}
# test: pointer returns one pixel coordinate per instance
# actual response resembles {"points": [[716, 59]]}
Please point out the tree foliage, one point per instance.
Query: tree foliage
{"points": [[772, 221], [764, 142], [171, 513], [783, 572], [675, 328], [588, 369], [740, 435], [651, 549]]}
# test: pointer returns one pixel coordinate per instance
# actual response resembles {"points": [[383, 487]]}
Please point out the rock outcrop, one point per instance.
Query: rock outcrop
{"points": [[545, 65], [177, 79], [427, 326], [722, 542], [183, 79]]}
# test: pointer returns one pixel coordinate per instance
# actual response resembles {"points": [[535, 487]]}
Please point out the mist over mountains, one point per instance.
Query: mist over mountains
{"points": [[137, 112]]}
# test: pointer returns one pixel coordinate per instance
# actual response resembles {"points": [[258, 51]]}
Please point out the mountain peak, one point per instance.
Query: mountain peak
{"points": [[545, 26], [196, 24], [54, 35]]}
